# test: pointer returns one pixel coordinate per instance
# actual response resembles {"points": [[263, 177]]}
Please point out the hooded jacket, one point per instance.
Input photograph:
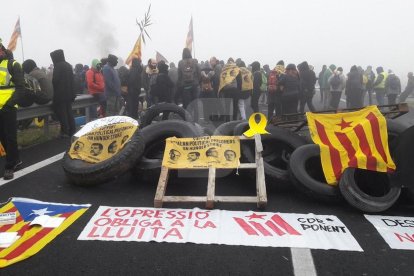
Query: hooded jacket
{"points": [[354, 83], [30, 67], [307, 78], [62, 80], [326, 75], [188, 61], [163, 87], [112, 81], [94, 79], [290, 81], [257, 78], [135, 77]]}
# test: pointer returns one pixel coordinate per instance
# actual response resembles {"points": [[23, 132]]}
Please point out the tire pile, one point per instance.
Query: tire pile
{"points": [[290, 160]]}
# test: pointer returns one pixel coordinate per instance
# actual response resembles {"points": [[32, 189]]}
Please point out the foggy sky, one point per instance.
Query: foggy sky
{"points": [[361, 32]]}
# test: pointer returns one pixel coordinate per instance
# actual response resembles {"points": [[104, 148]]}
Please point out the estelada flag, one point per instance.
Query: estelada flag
{"points": [[32, 238], [15, 35], [136, 51], [356, 139]]}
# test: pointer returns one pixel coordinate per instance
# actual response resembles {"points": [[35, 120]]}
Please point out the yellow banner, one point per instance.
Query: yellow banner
{"points": [[102, 143], [228, 75], [247, 79], [202, 152], [354, 139]]}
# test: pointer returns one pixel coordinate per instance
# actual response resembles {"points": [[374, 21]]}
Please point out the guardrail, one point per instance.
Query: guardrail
{"points": [[34, 111]]}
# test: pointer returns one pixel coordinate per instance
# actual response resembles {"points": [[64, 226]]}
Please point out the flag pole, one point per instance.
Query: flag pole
{"points": [[193, 37], [21, 38]]}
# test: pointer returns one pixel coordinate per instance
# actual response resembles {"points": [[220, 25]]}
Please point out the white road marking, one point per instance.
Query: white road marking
{"points": [[33, 168], [302, 262]]}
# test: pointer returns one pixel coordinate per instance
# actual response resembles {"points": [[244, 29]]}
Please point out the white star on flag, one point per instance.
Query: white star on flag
{"points": [[40, 212]]}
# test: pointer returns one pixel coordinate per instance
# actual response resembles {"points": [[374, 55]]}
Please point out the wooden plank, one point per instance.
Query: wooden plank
{"points": [[247, 166], [245, 199], [211, 188], [162, 186], [258, 142], [185, 199], [260, 182]]}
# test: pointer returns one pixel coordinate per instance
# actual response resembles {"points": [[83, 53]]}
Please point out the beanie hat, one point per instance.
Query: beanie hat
{"points": [[28, 65], [280, 62]]}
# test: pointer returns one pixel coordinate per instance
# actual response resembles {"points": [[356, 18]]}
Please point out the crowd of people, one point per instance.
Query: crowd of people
{"points": [[221, 87]]}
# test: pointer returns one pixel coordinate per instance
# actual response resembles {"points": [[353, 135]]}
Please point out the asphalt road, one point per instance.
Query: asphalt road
{"points": [[65, 255]]}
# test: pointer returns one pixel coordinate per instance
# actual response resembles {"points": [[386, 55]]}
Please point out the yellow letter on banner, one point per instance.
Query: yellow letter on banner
{"points": [[256, 128]]}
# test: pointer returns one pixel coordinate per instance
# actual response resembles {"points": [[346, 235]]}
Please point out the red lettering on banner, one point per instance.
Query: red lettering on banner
{"points": [[182, 214], [106, 233], [405, 236], [202, 215], [276, 224], [159, 214], [122, 213], [92, 233], [106, 213], [117, 222], [157, 223], [155, 231], [104, 222], [127, 235], [177, 223], [141, 233], [147, 213], [205, 225], [145, 223], [173, 232], [136, 212], [171, 214]]}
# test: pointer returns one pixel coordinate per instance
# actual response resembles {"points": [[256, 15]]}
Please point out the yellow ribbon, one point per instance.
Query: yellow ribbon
{"points": [[256, 128]]}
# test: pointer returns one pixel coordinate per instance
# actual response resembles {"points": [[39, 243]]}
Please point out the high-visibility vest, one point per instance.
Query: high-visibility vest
{"points": [[382, 83], [6, 85]]}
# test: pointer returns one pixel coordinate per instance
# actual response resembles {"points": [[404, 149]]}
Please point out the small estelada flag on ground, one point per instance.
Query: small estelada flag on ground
{"points": [[15, 35], [36, 224], [355, 139], [190, 36], [136, 51]]}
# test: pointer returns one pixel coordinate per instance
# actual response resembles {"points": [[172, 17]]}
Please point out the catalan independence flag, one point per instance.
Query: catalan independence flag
{"points": [[136, 51], [355, 139], [15, 35], [31, 239], [190, 36]]}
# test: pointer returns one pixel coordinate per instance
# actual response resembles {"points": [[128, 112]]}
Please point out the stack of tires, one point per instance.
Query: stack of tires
{"points": [[365, 190], [142, 154]]}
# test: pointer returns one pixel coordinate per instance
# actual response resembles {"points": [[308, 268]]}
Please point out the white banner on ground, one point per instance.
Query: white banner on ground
{"points": [[219, 227], [398, 232], [104, 122]]}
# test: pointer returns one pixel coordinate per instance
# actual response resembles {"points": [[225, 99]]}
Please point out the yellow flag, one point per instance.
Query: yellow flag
{"points": [[136, 51], [355, 139]]}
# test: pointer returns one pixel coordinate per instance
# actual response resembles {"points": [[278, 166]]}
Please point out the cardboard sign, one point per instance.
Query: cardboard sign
{"points": [[102, 143], [219, 227], [398, 232], [202, 152]]}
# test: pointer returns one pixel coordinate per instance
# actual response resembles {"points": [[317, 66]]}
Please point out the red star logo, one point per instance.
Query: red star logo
{"points": [[255, 216], [344, 124]]}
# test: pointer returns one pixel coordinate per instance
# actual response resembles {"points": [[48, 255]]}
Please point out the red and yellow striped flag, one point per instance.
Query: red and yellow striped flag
{"points": [[355, 139], [30, 239], [15, 35], [136, 51], [190, 36]]}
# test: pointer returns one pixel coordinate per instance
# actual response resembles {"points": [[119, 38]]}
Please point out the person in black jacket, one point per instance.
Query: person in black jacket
{"points": [[353, 88], [134, 88], [257, 82], [307, 86], [64, 93], [290, 87], [163, 88]]}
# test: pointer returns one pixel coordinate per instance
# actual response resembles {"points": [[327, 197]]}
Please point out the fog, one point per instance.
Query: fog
{"points": [[369, 32]]}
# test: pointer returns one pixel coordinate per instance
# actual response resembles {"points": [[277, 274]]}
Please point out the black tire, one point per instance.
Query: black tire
{"points": [[154, 138], [369, 191], [394, 130], [147, 169], [227, 129], [83, 173], [307, 175], [277, 149], [154, 111]]}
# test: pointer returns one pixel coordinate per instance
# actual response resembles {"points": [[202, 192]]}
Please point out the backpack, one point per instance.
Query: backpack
{"points": [[335, 81], [272, 82], [188, 72], [393, 82], [263, 87]]}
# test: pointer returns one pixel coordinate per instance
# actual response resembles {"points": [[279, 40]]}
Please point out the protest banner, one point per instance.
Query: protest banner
{"points": [[398, 232], [102, 143], [202, 152], [219, 227]]}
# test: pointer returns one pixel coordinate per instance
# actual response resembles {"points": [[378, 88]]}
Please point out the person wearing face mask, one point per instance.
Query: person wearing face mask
{"points": [[112, 89], [96, 85]]}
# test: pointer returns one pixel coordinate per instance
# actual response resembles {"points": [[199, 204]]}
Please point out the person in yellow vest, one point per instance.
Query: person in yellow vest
{"points": [[379, 85], [11, 85]]}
